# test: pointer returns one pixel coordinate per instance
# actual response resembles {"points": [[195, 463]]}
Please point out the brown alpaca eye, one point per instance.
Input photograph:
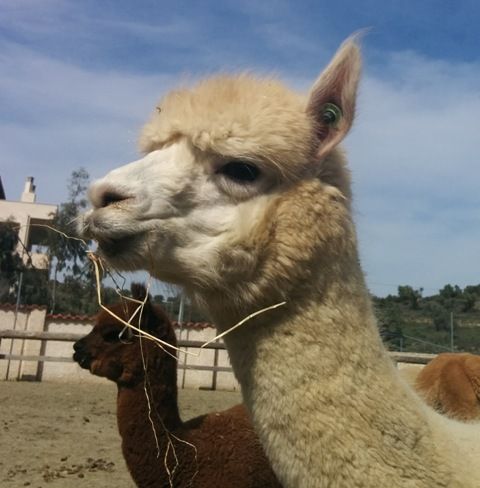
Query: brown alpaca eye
{"points": [[240, 171], [111, 336], [331, 114]]}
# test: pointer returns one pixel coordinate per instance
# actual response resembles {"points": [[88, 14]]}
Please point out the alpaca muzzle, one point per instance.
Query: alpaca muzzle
{"points": [[81, 355]]}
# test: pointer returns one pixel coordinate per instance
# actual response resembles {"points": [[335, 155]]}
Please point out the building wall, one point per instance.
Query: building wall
{"points": [[33, 318], [188, 378], [26, 214], [28, 318], [66, 371]]}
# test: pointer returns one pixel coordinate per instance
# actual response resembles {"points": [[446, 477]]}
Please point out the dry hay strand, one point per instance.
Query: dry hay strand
{"points": [[170, 445], [241, 322], [101, 270]]}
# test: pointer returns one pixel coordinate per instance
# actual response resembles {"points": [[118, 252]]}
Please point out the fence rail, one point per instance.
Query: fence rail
{"points": [[69, 337], [40, 336], [60, 359], [399, 357], [412, 357]]}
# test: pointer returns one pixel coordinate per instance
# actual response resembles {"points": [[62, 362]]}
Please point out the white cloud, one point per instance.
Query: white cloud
{"points": [[414, 150], [415, 156], [62, 117]]}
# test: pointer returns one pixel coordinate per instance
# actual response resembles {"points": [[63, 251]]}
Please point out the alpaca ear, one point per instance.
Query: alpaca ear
{"points": [[139, 292], [332, 98]]}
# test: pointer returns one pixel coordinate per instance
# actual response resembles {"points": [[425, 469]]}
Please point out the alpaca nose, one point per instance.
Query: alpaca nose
{"points": [[103, 195]]}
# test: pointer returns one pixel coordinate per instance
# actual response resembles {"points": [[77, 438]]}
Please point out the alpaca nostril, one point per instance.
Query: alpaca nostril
{"points": [[103, 195]]}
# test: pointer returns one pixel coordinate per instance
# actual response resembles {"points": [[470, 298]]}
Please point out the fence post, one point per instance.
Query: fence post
{"points": [[185, 357], [17, 306], [451, 331], [215, 364]]}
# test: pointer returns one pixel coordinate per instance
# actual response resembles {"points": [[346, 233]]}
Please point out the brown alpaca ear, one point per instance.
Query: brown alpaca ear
{"points": [[333, 95], [139, 292]]}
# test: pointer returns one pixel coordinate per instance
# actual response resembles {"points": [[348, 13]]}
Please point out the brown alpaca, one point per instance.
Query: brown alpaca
{"points": [[450, 383], [213, 450]]}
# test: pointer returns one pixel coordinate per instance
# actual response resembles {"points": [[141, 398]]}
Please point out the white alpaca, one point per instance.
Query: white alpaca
{"points": [[244, 199]]}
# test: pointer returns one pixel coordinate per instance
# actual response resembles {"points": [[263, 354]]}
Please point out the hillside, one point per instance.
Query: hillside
{"points": [[410, 322]]}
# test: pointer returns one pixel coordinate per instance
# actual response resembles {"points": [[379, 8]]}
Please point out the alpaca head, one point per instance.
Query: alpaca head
{"points": [[111, 349], [242, 182]]}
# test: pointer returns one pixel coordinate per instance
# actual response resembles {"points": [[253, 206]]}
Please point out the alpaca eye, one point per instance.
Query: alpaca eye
{"points": [[125, 335], [111, 336], [240, 171], [331, 114]]}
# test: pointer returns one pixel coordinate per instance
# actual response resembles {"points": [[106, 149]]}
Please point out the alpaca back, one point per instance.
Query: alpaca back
{"points": [[450, 383]]}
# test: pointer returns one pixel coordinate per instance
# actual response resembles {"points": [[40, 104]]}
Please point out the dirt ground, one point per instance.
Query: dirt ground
{"points": [[57, 435]]}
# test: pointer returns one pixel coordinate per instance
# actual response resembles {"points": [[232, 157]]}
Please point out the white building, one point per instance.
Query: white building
{"points": [[30, 216]]}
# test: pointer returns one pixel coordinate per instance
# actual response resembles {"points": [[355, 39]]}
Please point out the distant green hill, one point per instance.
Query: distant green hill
{"points": [[410, 322]]}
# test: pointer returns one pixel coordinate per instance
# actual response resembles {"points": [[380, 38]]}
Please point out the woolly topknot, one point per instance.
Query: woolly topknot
{"points": [[241, 117]]}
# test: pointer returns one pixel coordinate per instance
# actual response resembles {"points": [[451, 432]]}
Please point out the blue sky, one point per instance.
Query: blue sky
{"points": [[78, 78]]}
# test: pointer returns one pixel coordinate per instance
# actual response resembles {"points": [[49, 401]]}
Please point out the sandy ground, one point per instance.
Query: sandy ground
{"points": [[65, 435]]}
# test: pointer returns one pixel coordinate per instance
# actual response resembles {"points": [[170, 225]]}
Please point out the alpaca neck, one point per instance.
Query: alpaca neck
{"points": [[324, 317], [320, 385], [149, 396], [153, 395], [144, 424], [323, 335]]}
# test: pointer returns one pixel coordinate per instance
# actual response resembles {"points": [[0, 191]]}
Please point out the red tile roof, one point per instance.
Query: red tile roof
{"points": [[68, 317], [71, 317], [193, 325], [7, 307]]}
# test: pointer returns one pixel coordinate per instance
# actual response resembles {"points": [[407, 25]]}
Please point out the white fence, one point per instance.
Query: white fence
{"points": [[36, 346]]}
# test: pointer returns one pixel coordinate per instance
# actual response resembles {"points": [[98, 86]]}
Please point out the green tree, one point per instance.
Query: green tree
{"points": [[469, 301], [473, 289], [451, 297], [11, 263], [77, 296], [35, 287], [390, 322], [449, 291], [68, 255], [439, 315], [410, 296]]}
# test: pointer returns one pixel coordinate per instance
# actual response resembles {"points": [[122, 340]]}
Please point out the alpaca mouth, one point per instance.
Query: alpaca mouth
{"points": [[111, 247], [83, 360], [110, 238]]}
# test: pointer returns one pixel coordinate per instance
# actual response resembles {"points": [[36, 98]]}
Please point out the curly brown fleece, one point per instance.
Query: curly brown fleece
{"points": [[450, 383]]}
